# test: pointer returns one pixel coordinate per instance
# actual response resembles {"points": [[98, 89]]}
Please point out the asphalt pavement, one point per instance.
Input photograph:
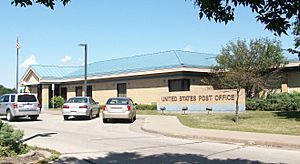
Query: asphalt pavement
{"points": [[170, 126]]}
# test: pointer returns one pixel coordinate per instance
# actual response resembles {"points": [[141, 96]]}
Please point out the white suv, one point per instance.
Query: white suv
{"points": [[19, 105]]}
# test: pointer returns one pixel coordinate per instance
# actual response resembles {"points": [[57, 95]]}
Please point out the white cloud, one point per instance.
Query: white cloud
{"points": [[188, 48], [29, 61], [66, 59]]}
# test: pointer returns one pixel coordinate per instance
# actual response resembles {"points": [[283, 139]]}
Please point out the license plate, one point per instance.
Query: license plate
{"points": [[116, 110], [27, 106]]}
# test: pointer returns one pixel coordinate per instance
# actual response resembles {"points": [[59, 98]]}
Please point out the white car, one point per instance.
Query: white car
{"points": [[19, 105], [80, 106], [119, 108]]}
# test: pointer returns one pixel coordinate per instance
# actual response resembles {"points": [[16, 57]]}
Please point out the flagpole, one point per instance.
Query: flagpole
{"points": [[17, 72]]}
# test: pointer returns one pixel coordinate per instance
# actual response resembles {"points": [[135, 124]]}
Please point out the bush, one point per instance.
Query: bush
{"points": [[296, 97], [58, 101], [281, 102], [10, 141], [146, 107], [275, 102]]}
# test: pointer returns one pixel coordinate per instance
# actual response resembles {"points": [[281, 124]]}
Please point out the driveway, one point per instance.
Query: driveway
{"points": [[91, 141]]}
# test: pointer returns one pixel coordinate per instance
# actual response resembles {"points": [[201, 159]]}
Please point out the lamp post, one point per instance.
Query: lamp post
{"points": [[85, 68]]}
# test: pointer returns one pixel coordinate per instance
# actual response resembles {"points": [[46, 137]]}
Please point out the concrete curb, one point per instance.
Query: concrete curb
{"points": [[254, 141]]}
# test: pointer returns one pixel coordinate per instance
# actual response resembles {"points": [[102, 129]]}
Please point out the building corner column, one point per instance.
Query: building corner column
{"points": [[45, 96]]}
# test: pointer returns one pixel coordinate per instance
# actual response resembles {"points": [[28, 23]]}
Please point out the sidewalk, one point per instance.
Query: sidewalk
{"points": [[170, 126]]}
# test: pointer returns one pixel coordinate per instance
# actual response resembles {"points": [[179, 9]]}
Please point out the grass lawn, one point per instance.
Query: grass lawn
{"points": [[250, 121]]}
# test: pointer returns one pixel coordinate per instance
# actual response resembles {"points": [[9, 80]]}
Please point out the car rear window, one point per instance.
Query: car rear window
{"points": [[26, 98], [77, 100], [117, 102]]}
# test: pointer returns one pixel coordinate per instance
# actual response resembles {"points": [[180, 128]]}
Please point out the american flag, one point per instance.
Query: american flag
{"points": [[18, 44]]}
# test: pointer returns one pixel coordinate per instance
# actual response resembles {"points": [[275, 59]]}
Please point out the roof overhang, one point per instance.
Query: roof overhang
{"points": [[130, 74], [27, 74]]}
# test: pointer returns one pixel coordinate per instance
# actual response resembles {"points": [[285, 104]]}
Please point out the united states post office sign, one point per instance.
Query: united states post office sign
{"points": [[217, 100]]}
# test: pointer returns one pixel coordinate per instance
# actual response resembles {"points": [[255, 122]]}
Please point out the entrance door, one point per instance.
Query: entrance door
{"points": [[89, 92], [63, 92], [78, 90], [122, 89]]}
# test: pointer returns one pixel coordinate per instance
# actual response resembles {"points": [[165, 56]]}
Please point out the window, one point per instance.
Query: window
{"points": [[179, 85], [122, 91], [117, 101], [12, 98], [26, 98], [6, 98], [89, 92], [78, 90], [77, 100], [92, 101]]}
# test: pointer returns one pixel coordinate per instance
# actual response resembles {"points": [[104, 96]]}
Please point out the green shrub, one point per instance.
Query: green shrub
{"points": [[275, 102], [58, 101], [146, 107], [296, 97], [10, 141], [281, 102]]}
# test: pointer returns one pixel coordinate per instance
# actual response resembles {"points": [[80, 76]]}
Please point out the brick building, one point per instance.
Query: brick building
{"points": [[142, 78]]}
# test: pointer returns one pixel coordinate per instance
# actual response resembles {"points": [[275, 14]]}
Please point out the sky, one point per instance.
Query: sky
{"points": [[113, 29]]}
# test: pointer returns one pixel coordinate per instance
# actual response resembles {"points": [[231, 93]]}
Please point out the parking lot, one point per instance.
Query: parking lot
{"points": [[91, 141]]}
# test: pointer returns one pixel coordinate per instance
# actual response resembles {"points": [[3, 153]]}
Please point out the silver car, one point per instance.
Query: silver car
{"points": [[119, 108], [19, 105], [80, 106]]}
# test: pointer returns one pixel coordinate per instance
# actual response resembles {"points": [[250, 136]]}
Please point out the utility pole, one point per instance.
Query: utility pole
{"points": [[85, 68], [17, 71]]}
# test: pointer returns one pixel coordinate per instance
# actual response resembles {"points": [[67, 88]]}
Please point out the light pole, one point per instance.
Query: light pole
{"points": [[85, 68], [17, 71]]}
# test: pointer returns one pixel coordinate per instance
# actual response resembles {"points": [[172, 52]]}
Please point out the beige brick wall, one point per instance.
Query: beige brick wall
{"points": [[70, 91], [294, 81], [103, 91], [141, 91], [32, 78]]}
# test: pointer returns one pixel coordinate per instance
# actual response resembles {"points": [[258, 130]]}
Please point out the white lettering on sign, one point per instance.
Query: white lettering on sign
{"points": [[199, 98]]}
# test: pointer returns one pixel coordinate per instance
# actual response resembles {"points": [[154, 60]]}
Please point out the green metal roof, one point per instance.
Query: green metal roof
{"points": [[146, 62]]}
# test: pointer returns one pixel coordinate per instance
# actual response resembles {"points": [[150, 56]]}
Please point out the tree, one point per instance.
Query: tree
{"points": [[47, 3], [253, 67], [275, 14], [296, 32], [4, 90]]}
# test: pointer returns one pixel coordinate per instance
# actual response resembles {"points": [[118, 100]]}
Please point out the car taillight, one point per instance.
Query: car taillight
{"points": [[66, 106], [83, 106], [15, 105], [128, 107], [104, 108]]}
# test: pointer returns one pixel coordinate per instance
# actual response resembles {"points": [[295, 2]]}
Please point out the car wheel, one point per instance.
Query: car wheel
{"points": [[33, 118], [98, 114], [90, 115], [9, 116], [66, 117], [131, 120]]}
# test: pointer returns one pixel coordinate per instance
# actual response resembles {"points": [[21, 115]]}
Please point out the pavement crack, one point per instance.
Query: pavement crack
{"points": [[225, 151], [169, 145]]}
